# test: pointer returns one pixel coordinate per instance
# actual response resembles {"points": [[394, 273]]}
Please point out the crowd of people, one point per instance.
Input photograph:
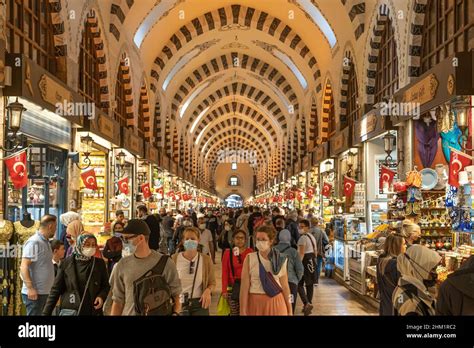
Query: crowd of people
{"points": [[164, 264]]}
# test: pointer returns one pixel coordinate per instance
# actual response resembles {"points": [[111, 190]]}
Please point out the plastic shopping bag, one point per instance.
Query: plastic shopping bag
{"points": [[223, 307]]}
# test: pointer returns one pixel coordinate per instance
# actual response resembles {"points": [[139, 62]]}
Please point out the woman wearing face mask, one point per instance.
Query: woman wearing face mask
{"points": [[196, 273], [82, 281], [178, 234], [260, 294], [417, 269], [206, 239], [232, 263]]}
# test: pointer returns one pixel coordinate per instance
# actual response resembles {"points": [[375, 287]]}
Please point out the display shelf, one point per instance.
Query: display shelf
{"points": [[93, 212], [433, 208], [430, 236], [93, 223], [436, 228]]}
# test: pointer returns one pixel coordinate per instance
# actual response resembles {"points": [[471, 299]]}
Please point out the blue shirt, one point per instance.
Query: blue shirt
{"points": [[38, 250], [295, 265]]}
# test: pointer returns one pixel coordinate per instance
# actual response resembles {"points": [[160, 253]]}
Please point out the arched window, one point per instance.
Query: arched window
{"points": [[89, 79], [120, 112], [386, 78], [234, 181], [352, 110], [448, 28], [30, 31]]}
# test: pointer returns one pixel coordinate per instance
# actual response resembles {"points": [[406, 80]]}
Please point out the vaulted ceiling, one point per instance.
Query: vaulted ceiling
{"points": [[233, 75]]}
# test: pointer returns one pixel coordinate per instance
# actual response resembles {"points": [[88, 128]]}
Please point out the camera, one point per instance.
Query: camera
{"points": [[186, 304]]}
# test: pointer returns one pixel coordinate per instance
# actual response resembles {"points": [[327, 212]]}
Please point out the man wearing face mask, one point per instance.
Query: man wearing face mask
{"points": [[417, 268], [166, 230], [37, 270], [153, 224], [141, 259]]}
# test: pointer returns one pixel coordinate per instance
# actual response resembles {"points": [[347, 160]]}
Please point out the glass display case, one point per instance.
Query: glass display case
{"points": [[378, 214]]}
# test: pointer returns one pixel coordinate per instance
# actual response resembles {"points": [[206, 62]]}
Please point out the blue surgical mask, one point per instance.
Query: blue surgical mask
{"points": [[190, 244], [128, 249]]}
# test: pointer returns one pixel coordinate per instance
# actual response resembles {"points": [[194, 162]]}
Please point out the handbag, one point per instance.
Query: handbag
{"points": [[235, 295], [73, 312], [223, 307], [269, 284]]}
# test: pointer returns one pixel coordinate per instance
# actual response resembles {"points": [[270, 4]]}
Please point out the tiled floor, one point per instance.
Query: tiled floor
{"points": [[330, 298]]}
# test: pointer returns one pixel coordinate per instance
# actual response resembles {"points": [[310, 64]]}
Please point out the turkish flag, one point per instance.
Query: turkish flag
{"points": [[458, 161], [349, 186], [146, 190], [386, 175], [327, 190], [160, 191], [171, 195], [290, 195], [89, 179], [310, 192], [299, 196], [123, 185], [16, 165], [178, 196]]}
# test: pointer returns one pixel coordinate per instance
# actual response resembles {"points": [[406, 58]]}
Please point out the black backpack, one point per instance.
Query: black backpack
{"points": [[152, 293]]}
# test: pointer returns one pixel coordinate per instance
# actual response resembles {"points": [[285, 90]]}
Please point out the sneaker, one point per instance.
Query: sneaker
{"points": [[308, 308]]}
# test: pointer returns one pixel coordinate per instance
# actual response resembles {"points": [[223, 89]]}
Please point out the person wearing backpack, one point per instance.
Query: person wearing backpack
{"points": [[196, 273], [295, 266], [81, 282], [322, 241], [145, 272], [307, 251], [232, 263]]}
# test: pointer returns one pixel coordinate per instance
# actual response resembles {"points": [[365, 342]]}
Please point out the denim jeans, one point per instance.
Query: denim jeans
{"points": [[34, 307], [170, 243], [319, 265]]}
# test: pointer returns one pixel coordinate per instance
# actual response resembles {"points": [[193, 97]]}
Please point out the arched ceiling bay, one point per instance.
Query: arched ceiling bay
{"points": [[235, 74]]}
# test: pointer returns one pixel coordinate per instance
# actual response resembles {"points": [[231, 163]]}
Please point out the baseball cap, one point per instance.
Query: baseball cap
{"points": [[136, 226]]}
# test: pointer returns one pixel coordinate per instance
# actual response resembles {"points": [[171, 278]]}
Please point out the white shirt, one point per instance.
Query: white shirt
{"points": [[255, 283], [183, 266], [206, 237], [306, 241]]}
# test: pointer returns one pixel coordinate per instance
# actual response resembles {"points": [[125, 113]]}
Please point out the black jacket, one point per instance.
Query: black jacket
{"points": [[251, 221], [154, 225], [387, 282], [67, 283], [292, 226], [456, 294]]}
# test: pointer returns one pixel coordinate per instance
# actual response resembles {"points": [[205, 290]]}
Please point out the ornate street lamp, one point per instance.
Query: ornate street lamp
{"points": [[15, 113], [120, 158], [461, 106]]}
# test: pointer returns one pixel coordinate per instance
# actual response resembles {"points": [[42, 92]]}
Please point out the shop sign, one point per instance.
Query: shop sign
{"points": [[180, 172], [368, 127], [132, 142], [296, 168], [320, 153], [289, 172], [39, 86], [153, 154], [339, 142], [307, 161], [106, 127], [166, 162], [174, 168], [423, 91], [2, 63]]}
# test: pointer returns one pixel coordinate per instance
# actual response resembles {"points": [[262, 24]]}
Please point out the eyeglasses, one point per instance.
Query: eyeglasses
{"points": [[126, 239]]}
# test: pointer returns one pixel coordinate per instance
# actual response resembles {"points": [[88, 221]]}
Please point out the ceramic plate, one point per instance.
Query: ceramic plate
{"points": [[429, 179]]}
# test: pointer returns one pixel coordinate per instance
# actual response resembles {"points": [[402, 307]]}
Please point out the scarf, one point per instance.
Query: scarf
{"points": [[78, 248], [74, 229]]}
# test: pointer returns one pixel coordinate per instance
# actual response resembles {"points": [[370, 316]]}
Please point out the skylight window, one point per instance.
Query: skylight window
{"points": [[319, 20], [191, 98], [150, 20], [179, 65], [292, 66], [203, 112]]}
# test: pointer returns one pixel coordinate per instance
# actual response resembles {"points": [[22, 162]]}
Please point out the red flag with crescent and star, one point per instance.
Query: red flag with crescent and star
{"points": [[123, 185], [16, 165], [457, 162], [171, 195], [89, 179], [310, 192], [349, 186], [327, 190], [146, 190], [160, 191], [178, 196], [386, 175]]}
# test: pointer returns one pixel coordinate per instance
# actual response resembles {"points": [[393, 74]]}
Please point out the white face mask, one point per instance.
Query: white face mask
{"points": [[263, 245], [202, 226], [88, 252], [227, 228]]}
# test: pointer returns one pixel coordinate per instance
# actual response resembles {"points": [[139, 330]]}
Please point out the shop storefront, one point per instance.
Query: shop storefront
{"points": [[95, 144]]}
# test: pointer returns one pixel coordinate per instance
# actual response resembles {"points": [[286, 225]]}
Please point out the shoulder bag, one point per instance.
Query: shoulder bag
{"points": [[235, 295], [269, 284], [73, 312]]}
